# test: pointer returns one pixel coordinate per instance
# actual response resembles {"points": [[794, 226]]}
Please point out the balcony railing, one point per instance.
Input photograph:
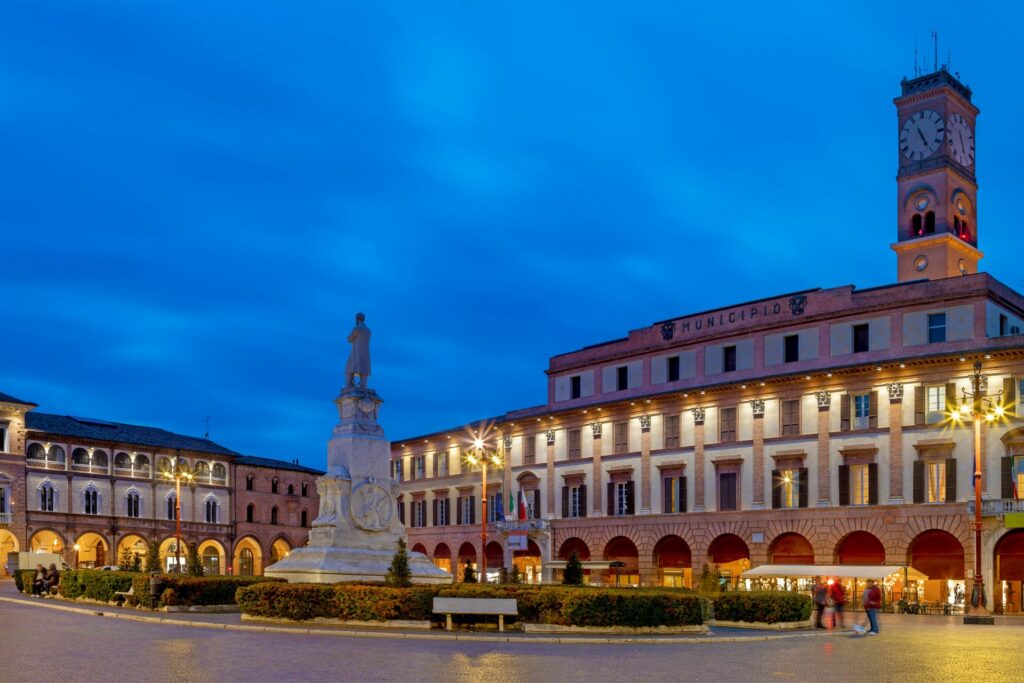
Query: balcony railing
{"points": [[46, 464], [996, 508], [6, 517], [524, 525]]}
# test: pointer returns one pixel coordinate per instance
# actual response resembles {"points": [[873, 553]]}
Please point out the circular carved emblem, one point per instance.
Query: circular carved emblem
{"points": [[372, 507], [365, 405]]}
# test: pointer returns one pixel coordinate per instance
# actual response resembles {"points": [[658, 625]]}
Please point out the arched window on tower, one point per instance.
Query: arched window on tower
{"points": [[305, 519], [46, 496], [132, 507], [929, 223], [171, 505], [273, 485], [273, 515], [916, 225], [250, 511]]}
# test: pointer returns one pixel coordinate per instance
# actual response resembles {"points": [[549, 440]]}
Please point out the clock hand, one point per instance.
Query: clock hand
{"points": [[922, 137]]}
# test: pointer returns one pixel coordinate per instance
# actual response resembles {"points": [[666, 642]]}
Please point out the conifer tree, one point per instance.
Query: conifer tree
{"points": [[573, 571], [399, 575]]}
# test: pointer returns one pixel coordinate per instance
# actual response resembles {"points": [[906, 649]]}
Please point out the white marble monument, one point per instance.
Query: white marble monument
{"points": [[355, 535]]}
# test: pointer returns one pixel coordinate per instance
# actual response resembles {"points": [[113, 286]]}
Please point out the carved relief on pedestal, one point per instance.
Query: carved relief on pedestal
{"points": [[372, 507]]}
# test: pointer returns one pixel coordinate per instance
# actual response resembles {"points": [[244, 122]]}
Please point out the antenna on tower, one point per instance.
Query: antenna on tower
{"points": [[935, 40], [207, 434], [917, 69], [949, 59]]}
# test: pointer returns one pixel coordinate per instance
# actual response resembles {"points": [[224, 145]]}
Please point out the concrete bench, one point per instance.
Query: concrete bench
{"points": [[485, 606], [125, 594]]}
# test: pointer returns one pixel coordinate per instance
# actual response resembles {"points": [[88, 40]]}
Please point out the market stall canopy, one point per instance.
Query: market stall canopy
{"points": [[852, 571]]}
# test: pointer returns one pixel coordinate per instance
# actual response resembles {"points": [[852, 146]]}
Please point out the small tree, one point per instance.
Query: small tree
{"points": [[193, 565], [399, 575], [513, 574], [468, 575], [153, 557], [136, 564], [125, 561], [709, 580], [573, 575]]}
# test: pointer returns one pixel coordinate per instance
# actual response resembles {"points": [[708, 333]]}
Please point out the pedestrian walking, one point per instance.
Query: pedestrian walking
{"points": [[820, 594], [872, 603], [838, 595]]}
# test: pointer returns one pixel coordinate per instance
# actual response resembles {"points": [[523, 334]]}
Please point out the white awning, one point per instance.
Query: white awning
{"points": [[851, 571], [587, 564]]}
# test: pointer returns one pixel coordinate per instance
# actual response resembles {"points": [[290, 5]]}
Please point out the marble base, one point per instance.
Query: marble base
{"points": [[334, 565]]}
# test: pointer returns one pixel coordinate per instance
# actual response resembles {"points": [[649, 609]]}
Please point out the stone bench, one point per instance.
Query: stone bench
{"points": [[125, 594], [481, 606]]}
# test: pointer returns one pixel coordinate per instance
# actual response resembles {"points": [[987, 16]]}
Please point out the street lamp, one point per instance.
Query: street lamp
{"points": [[177, 474], [978, 406], [77, 548], [479, 456]]}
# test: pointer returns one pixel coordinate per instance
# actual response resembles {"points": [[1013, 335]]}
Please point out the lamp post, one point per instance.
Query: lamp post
{"points": [[77, 548], [978, 406], [177, 474], [479, 456]]}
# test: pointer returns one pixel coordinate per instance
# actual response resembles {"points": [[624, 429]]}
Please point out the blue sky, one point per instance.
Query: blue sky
{"points": [[195, 198]]}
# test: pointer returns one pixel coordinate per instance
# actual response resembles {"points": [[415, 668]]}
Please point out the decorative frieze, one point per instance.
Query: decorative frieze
{"points": [[896, 392], [698, 416], [757, 405], [507, 440], [645, 423], [824, 398], [596, 429], [550, 434]]}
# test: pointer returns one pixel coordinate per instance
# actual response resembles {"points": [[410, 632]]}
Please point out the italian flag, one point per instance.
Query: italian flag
{"points": [[511, 505], [522, 505]]}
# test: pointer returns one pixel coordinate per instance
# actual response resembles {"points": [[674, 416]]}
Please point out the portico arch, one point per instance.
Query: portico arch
{"points": [[248, 558], [8, 544], [624, 559], [673, 560], [528, 562], [279, 550], [212, 557], [443, 557], [467, 553], [47, 541], [790, 548], [134, 545], [730, 554], [173, 559]]}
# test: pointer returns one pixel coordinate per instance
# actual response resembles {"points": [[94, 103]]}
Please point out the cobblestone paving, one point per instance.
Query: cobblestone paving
{"points": [[39, 644]]}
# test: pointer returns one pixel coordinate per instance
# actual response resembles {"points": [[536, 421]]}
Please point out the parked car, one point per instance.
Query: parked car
{"points": [[110, 568]]}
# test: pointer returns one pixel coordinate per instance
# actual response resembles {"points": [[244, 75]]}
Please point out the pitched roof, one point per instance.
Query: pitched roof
{"points": [[102, 430], [7, 398], [276, 464]]}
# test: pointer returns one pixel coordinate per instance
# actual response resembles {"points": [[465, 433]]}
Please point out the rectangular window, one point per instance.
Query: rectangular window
{"points": [[575, 386], [621, 434], [419, 513], [729, 359], [421, 467], [792, 348], [3, 437], [789, 488], [575, 452], [442, 512], [622, 378], [529, 449], [673, 368], [397, 468], [3, 499], [674, 494], [935, 403], [1004, 325], [441, 459], [727, 491], [1017, 473], [466, 502], [861, 411], [860, 485], [936, 328], [727, 424], [861, 338], [671, 423], [574, 501], [791, 417], [493, 502], [935, 473], [622, 498]]}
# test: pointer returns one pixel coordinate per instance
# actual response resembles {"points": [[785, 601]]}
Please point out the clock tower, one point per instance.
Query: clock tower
{"points": [[937, 234]]}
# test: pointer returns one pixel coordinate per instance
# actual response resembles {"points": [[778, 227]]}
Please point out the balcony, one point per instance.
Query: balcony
{"points": [[6, 517], [524, 525], [996, 508]]}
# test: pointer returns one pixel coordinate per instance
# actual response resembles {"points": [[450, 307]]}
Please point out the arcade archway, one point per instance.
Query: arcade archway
{"points": [[673, 560]]}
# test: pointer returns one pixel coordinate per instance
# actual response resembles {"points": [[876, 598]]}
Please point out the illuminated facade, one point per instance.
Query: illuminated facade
{"points": [[809, 428]]}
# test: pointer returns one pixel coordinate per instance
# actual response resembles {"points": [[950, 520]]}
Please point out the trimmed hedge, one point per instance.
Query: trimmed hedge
{"points": [[23, 579], [193, 590], [768, 607], [94, 584], [578, 606]]}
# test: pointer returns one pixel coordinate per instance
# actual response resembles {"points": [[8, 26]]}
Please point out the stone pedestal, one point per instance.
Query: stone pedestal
{"points": [[355, 535]]}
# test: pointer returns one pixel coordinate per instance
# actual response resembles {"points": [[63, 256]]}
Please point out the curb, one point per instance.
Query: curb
{"points": [[584, 640]]}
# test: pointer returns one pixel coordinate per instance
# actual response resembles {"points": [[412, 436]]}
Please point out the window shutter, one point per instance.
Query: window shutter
{"points": [[950, 397], [666, 494], [583, 500], [447, 511], [472, 509], [401, 512], [611, 499], [458, 510], [844, 484], [1007, 480], [1010, 397], [565, 502], [803, 487], [536, 504], [918, 481], [629, 497], [919, 394], [951, 480], [435, 511], [776, 490], [844, 412], [873, 483], [682, 494], [873, 410]]}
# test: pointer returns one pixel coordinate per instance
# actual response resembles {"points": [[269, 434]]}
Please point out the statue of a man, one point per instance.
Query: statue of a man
{"points": [[359, 358]]}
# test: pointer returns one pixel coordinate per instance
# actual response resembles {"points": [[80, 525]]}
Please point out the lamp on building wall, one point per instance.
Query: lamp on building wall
{"points": [[177, 474], [479, 456], [977, 406]]}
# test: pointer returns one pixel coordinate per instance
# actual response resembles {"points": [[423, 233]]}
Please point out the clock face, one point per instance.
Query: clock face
{"points": [[921, 135], [961, 140]]}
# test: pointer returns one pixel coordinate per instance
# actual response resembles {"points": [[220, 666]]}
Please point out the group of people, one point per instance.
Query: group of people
{"points": [[45, 579], [830, 605]]}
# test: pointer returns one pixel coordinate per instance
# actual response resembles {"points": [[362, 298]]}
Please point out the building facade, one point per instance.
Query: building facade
{"points": [[817, 427], [93, 490]]}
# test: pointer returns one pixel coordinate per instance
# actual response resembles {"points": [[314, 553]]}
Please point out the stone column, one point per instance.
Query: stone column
{"points": [[597, 478], [757, 408], [549, 504], [896, 443], [698, 460], [645, 464], [824, 473]]}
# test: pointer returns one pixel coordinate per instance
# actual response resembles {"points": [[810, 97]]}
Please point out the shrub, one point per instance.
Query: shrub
{"points": [[193, 590], [193, 566], [152, 559], [631, 608], [23, 579], [94, 584], [573, 575], [468, 575], [765, 606], [336, 601], [399, 575]]}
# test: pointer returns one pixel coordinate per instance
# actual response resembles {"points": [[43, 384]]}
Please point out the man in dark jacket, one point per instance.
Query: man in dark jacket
{"points": [[820, 591], [872, 603]]}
